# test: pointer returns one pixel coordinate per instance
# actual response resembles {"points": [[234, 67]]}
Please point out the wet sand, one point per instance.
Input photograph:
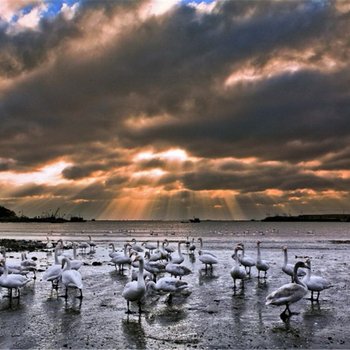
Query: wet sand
{"points": [[214, 316]]}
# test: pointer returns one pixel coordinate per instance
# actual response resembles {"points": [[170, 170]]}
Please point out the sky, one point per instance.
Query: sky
{"points": [[166, 109]]}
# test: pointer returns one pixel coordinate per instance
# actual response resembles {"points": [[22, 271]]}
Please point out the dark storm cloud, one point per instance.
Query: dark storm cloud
{"points": [[73, 98]]}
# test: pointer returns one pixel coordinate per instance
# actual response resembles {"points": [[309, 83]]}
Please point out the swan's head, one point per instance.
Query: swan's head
{"points": [[302, 264], [64, 262], [258, 242], [284, 248], [308, 262]]}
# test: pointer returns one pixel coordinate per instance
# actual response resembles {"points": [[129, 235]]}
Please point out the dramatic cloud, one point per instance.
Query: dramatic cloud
{"points": [[165, 110]]}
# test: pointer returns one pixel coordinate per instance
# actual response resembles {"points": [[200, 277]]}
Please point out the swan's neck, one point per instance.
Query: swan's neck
{"points": [[201, 243], [236, 256], [56, 255], [140, 279], [67, 265], [296, 278], [259, 253], [179, 249], [74, 251], [113, 247], [285, 257]]}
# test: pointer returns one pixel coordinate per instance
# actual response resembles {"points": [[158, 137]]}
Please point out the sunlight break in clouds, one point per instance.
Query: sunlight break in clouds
{"points": [[169, 109]]}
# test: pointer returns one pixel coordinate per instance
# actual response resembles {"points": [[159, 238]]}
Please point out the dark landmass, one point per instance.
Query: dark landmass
{"points": [[7, 215], [310, 218]]}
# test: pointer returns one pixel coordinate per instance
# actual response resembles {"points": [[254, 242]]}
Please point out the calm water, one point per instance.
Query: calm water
{"points": [[221, 231]]}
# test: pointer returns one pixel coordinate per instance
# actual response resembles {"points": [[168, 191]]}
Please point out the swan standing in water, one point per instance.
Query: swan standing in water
{"points": [[71, 278], [169, 285], [238, 272], [207, 260], [289, 293], [289, 268], [135, 290], [200, 240], [92, 245], [180, 258], [315, 283], [12, 281], [261, 265], [53, 273], [246, 261]]}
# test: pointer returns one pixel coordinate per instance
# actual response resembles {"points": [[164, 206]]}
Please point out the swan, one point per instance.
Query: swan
{"points": [[246, 261], [122, 259], [75, 263], [92, 244], [153, 267], [150, 246], [200, 240], [192, 247], [315, 283], [29, 265], [135, 290], [114, 253], [49, 244], [53, 273], [237, 272], [12, 281], [83, 246], [179, 258], [135, 246], [167, 248], [289, 268], [261, 265], [169, 285], [71, 278], [177, 270], [207, 259], [289, 293]]}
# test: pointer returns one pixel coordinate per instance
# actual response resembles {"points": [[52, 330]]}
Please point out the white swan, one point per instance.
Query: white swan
{"points": [[246, 261], [167, 248], [169, 285], [153, 267], [71, 278], [177, 270], [289, 293], [135, 290], [237, 272], [179, 258], [134, 246], [315, 283], [75, 263], [192, 247], [12, 281], [53, 273], [150, 246], [29, 265], [200, 240], [207, 260], [122, 259], [92, 244], [289, 268], [114, 252], [83, 246], [261, 265]]}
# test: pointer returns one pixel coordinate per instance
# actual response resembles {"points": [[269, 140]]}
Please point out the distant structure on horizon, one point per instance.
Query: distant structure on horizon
{"points": [[311, 217]]}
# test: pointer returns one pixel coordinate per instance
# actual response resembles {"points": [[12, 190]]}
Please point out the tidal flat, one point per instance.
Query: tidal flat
{"points": [[213, 316]]}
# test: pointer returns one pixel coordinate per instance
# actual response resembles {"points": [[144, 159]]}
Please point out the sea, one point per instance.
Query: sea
{"points": [[214, 231]]}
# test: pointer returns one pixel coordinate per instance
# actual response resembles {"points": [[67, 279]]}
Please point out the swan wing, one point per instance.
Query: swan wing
{"points": [[288, 293]]}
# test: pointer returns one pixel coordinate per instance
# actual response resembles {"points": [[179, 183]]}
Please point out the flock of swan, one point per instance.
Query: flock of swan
{"points": [[158, 268]]}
